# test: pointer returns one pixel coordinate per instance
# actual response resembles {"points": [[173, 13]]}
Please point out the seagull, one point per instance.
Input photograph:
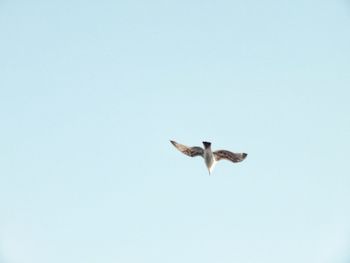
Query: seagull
{"points": [[210, 157]]}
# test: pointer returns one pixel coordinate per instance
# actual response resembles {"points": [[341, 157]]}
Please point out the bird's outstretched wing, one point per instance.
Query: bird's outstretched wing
{"points": [[233, 157], [190, 151]]}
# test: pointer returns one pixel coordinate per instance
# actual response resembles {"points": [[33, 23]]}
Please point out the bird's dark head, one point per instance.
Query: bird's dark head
{"points": [[207, 145]]}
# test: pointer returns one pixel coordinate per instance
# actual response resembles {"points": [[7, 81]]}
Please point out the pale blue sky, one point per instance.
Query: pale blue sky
{"points": [[85, 85]]}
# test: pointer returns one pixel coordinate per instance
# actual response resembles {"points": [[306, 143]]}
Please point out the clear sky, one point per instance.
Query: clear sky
{"points": [[92, 91]]}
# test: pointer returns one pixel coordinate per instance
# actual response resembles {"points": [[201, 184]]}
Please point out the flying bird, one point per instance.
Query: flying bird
{"points": [[210, 157]]}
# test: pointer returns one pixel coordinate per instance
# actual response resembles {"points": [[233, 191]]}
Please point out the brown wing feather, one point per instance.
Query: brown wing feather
{"points": [[190, 151], [233, 157]]}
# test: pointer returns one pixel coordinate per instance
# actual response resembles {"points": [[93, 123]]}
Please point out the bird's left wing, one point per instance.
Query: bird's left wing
{"points": [[190, 151], [233, 157]]}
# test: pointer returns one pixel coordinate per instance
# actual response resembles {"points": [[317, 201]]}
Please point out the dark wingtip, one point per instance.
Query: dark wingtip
{"points": [[173, 142], [245, 155]]}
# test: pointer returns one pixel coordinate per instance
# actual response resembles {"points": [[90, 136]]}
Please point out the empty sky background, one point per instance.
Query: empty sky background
{"points": [[91, 92]]}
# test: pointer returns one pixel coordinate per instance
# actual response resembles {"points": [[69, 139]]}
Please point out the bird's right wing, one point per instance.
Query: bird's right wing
{"points": [[233, 157], [190, 151]]}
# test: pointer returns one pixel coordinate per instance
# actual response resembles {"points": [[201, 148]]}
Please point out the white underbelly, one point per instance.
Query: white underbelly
{"points": [[209, 160]]}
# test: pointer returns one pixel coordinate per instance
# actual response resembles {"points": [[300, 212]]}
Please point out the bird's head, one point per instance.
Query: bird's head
{"points": [[207, 145]]}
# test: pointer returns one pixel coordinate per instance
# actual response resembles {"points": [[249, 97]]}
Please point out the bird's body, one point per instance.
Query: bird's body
{"points": [[210, 157]]}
